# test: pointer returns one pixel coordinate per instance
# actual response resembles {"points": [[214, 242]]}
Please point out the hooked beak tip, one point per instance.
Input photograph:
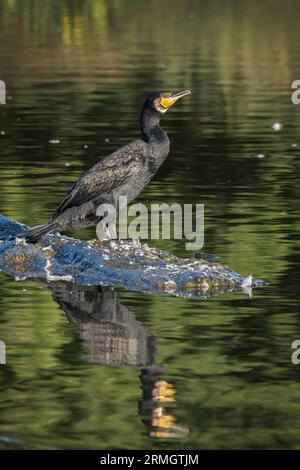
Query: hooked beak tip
{"points": [[182, 93]]}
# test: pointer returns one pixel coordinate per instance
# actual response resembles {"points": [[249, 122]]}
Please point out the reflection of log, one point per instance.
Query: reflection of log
{"points": [[112, 334], [134, 266]]}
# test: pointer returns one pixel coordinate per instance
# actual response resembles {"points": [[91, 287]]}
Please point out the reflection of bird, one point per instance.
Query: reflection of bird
{"points": [[125, 172], [154, 406], [114, 337], [112, 334]]}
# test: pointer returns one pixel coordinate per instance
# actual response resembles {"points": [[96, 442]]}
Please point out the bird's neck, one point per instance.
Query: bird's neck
{"points": [[149, 123]]}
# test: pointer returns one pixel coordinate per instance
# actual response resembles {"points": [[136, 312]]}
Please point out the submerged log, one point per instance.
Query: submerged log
{"points": [[132, 265]]}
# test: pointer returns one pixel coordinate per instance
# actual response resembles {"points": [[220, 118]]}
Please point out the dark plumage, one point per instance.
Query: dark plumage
{"points": [[125, 172]]}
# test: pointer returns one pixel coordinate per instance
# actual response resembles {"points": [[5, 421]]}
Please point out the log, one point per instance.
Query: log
{"points": [[132, 265]]}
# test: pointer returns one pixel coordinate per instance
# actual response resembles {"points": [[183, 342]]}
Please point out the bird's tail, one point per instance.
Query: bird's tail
{"points": [[34, 234]]}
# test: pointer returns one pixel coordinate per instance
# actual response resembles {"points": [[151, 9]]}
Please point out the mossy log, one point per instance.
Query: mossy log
{"points": [[132, 265]]}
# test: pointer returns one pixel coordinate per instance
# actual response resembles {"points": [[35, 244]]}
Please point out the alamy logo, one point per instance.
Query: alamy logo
{"points": [[296, 94], [296, 354], [152, 222], [2, 92], [2, 352]]}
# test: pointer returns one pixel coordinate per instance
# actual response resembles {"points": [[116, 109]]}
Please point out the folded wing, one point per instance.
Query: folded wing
{"points": [[106, 175]]}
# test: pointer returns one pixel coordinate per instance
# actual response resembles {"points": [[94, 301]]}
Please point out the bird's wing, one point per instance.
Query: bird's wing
{"points": [[105, 176]]}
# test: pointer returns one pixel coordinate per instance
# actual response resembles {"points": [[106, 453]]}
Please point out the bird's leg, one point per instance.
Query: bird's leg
{"points": [[106, 229], [111, 231], [101, 230]]}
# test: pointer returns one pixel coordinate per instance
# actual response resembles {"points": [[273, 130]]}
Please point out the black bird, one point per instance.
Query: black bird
{"points": [[125, 172]]}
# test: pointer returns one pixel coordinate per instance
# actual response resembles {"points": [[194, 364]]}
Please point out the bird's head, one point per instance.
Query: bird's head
{"points": [[161, 101]]}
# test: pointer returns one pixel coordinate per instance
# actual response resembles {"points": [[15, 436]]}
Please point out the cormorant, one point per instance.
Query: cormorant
{"points": [[125, 172]]}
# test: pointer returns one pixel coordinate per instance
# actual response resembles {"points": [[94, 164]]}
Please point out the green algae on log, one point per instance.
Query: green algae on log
{"points": [[132, 265]]}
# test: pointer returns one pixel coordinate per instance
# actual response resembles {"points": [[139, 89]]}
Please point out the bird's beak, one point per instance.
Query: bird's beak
{"points": [[180, 94], [174, 96]]}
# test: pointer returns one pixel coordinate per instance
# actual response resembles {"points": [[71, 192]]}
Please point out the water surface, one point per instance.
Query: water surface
{"points": [[215, 373]]}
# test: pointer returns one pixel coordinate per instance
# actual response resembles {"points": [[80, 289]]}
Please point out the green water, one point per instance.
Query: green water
{"points": [[78, 72]]}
